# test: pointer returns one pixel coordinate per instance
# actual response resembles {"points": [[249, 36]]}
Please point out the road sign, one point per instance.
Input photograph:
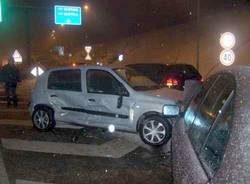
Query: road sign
{"points": [[1, 19], [120, 57], [88, 50], [68, 15], [227, 57], [17, 57], [59, 50], [37, 71], [227, 40]]}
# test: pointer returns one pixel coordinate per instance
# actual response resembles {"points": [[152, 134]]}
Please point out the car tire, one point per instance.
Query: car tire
{"points": [[43, 120], [155, 130]]}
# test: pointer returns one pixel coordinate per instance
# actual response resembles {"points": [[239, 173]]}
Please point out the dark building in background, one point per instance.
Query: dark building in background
{"points": [[106, 20]]}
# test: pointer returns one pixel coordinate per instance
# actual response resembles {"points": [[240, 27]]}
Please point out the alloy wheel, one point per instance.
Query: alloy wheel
{"points": [[154, 131], [41, 119]]}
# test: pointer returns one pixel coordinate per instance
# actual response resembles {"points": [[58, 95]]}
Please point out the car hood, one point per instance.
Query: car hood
{"points": [[165, 93]]}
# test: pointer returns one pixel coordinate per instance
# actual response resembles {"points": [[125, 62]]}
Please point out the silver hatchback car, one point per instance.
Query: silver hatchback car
{"points": [[102, 97]]}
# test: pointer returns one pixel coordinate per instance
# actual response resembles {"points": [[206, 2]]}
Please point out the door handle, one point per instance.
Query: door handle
{"points": [[91, 100], [53, 95]]}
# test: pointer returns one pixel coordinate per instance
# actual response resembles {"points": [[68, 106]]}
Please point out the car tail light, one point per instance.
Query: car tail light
{"points": [[169, 82]]}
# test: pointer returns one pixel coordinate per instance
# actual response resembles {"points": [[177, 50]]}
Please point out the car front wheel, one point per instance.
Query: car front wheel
{"points": [[42, 119], [155, 131]]}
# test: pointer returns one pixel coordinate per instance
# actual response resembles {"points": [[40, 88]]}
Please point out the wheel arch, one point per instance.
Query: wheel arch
{"points": [[38, 106]]}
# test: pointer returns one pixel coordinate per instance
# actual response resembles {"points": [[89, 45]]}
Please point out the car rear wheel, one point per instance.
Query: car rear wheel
{"points": [[42, 119], [155, 131]]}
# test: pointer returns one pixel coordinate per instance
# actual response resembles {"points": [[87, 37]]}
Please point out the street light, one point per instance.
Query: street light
{"points": [[86, 7]]}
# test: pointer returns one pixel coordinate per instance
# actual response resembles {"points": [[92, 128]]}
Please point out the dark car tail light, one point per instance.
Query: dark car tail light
{"points": [[169, 82]]}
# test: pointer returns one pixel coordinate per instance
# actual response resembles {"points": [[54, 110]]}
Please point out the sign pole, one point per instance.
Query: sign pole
{"points": [[28, 36]]}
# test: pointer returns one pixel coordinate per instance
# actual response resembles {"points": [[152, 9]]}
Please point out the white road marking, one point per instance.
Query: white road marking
{"points": [[3, 174], [113, 149], [29, 182]]}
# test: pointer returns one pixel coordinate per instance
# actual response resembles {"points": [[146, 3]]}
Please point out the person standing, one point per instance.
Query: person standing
{"points": [[11, 76]]}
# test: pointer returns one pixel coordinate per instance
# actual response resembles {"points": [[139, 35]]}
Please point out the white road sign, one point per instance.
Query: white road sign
{"points": [[37, 71], [88, 50], [227, 57], [227, 40], [17, 57]]}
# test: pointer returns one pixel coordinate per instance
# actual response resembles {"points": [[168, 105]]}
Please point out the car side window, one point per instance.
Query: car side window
{"points": [[196, 101], [208, 111], [102, 82], [210, 129], [213, 149], [69, 80]]}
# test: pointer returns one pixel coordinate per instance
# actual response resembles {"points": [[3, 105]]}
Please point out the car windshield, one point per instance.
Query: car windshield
{"points": [[136, 80]]}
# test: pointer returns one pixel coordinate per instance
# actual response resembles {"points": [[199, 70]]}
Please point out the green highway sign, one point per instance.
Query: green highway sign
{"points": [[1, 11], [68, 15]]}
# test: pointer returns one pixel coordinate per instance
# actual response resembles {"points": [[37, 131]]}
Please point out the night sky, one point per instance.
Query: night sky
{"points": [[106, 20]]}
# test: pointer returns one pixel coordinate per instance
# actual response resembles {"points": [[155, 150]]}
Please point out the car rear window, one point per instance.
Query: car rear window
{"points": [[187, 70], [155, 72], [69, 80]]}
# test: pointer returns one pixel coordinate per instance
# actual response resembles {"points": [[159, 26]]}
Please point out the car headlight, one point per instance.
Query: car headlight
{"points": [[171, 110]]}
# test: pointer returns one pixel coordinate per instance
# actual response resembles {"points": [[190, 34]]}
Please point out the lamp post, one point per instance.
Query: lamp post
{"points": [[198, 36]]}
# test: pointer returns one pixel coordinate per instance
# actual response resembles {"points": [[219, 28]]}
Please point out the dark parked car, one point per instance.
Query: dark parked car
{"points": [[211, 142], [172, 76]]}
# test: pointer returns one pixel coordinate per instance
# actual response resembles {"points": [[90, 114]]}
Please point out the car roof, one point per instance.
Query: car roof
{"points": [[80, 67]]}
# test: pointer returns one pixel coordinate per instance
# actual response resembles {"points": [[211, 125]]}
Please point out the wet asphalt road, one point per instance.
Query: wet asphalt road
{"points": [[134, 163]]}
